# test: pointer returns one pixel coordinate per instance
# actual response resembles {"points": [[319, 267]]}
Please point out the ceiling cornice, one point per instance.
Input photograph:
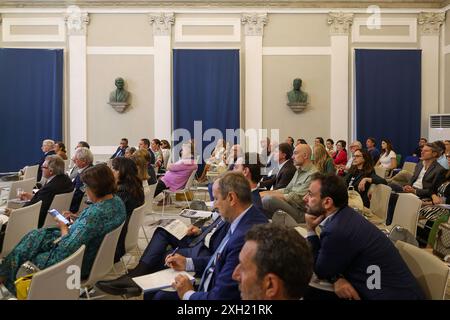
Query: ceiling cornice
{"points": [[432, 4]]}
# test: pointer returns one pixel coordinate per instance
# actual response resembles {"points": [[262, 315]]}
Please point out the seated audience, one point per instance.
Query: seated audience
{"points": [[144, 144], [418, 151], [330, 147], [290, 142], [355, 145], [120, 152], [323, 161], [372, 149], [433, 214], [57, 182], [290, 199], [250, 167], [428, 174], [142, 159], [83, 159], [442, 159], [388, 158], [349, 244], [362, 174], [155, 146], [275, 263], [233, 199], [165, 149], [340, 157], [319, 140], [285, 171], [83, 144], [48, 150], [60, 150], [130, 190], [179, 172], [129, 152], [47, 246], [198, 242], [301, 141]]}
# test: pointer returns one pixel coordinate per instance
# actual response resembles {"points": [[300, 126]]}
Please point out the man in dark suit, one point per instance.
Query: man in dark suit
{"points": [[47, 149], [83, 159], [57, 182], [120, 152], [351, 253], [233, 199], [285, 171], [198, 242], [428, 174]]}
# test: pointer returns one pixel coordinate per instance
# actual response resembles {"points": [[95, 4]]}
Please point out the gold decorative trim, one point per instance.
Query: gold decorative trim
{"points": [[229, 3]]}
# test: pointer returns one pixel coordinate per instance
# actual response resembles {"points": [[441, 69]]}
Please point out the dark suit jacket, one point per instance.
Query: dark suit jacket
{"points": [[120, 152], [282, 178], [349, 244], [433, 178], [41, 162], [222, 286], [59, 184], [78, 194]]}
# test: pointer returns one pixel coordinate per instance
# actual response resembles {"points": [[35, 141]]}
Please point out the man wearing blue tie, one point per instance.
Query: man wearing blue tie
{"points": [[233, 199]]}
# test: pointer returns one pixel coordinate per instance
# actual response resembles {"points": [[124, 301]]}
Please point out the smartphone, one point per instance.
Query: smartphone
{"points": [[59, 216]]}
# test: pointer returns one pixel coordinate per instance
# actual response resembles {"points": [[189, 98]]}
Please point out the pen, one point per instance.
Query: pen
{"points": [[173, 252]]}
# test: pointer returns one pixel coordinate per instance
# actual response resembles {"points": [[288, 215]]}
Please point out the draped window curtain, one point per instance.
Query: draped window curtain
{"points": [[31, 97], [388, 97], [206, 88]]}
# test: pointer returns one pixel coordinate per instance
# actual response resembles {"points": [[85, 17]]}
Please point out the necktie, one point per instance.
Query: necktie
{"points": [[210, 229], [209, 270]]}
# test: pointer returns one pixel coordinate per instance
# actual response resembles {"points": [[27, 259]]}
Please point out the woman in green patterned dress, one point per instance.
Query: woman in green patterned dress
{"points": [[48, 246]]}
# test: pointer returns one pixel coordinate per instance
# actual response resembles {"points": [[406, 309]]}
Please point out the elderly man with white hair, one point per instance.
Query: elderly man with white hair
{"points": [[83, 159], [47, 148]]}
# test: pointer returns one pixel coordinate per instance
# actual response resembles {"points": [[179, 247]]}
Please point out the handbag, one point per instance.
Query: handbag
{"points": [[354, 199], [24, 277], [442, 244]]}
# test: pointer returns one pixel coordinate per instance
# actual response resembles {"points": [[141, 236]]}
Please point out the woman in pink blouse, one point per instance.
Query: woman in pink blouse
{"points": [[178, 173]]}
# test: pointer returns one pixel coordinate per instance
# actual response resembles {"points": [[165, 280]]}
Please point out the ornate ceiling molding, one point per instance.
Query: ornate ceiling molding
{"points": [[340, 22], [227, 3], [162, 23], [431, 22]]}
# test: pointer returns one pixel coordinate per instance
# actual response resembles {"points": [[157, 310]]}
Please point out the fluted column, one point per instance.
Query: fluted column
{"points": [[162, 32], [430, 24], [254, 29], [340, 26], [76, 23]]}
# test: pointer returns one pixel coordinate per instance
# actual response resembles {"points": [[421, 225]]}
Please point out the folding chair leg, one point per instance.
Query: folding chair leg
{"points": [[185, 197], [145, 234]]}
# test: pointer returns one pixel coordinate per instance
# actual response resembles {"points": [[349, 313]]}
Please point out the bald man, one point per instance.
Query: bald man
{"points": [[290, 199]]}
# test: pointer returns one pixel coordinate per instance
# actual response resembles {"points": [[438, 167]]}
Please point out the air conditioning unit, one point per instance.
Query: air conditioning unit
{"points": [[439, 127]]}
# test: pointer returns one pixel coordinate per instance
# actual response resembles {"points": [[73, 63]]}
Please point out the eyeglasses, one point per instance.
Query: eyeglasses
{"points": [[357, 156], [44, 167]]}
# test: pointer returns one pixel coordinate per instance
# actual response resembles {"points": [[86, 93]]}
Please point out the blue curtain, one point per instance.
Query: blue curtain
{"points": [[31, 97], [206, 88], [388, 97]]}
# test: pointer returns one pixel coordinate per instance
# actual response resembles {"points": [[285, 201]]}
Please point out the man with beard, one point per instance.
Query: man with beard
{"points": [[349, 247]]}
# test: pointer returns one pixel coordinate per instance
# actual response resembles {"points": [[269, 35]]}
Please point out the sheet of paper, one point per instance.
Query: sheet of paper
{"points": [[197, 214], [174, 226], [159, 280]]}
